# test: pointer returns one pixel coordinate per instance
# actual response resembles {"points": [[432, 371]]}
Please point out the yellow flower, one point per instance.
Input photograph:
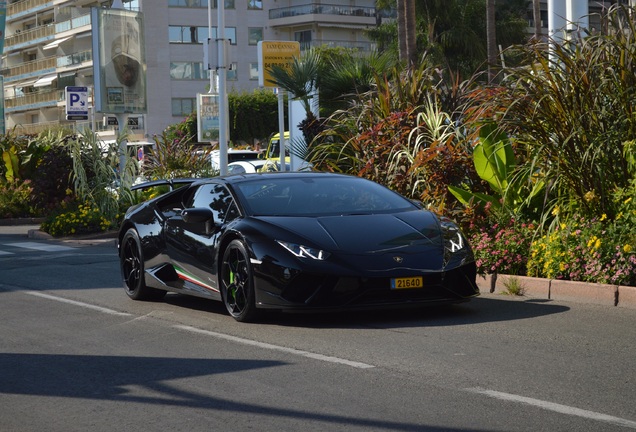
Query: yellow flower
{"points": [[597, 244], [589, 196], [627, 248], [603, 217], [628, 200], [555, 211]]}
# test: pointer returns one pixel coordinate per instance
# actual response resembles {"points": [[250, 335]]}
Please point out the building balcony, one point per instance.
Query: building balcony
{"points": [[35, 128], [361, 46], [27, 6], [326, 13], [29, 69], [45, 33], [35, 100], [27, 37]]}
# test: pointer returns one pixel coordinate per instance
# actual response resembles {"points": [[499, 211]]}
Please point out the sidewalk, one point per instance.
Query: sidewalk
{"points": [[32, 231]]}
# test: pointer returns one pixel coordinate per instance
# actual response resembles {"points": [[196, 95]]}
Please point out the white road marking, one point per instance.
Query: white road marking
{"points": [[46, 247], [277, 348], [76, 303], [550, 406]]}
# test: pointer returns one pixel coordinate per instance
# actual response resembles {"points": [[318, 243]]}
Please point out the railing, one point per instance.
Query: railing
{"points": [[25, 36], [24, 5], [35, 66], [36, 128], [329, 9], [34, 98], [75, 58], [79, 21], [30, 67], [360, 46]]}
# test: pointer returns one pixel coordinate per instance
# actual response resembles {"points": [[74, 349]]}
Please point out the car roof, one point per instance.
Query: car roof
{"points": [[240, 178]]}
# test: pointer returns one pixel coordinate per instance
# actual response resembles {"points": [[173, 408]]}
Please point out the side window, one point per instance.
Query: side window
{"points": [[219, 199]]}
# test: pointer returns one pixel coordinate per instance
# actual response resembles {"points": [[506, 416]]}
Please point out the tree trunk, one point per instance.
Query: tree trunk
{"points": [[536, 16], [410, 23], [491, 39], [401, 25]]}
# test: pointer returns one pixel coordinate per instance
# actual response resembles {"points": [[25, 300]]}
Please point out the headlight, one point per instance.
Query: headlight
{"points": [[454, 241], [456, 248], [304, 251]]}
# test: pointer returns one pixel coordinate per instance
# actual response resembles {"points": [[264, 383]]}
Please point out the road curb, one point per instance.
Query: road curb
{"points": [[105, 238], [561, 290]]}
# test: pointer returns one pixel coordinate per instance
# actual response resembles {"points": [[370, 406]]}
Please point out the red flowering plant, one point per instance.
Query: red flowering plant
{"points": [[503, 248]]}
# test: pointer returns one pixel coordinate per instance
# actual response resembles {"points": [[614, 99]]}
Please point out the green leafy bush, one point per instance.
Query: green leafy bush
{"points": [[77, 219], [15, 199]]}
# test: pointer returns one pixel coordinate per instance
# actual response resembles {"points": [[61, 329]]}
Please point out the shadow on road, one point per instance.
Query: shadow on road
{"points": [[478, 310], [146, 381]]}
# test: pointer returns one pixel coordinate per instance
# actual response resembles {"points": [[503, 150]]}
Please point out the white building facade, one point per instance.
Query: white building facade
{"points": [[48, 47]]}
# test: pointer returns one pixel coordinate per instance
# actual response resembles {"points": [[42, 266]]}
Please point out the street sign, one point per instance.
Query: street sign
{"points": [[76, 103], [207, 117], [275, 53]]}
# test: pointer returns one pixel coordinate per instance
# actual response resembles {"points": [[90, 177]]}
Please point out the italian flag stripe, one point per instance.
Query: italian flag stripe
{"points": [[184, 275]]}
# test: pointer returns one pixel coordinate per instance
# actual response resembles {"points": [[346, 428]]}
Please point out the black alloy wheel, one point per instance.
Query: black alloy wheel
{"points": [[132, 269], [237, 283]]}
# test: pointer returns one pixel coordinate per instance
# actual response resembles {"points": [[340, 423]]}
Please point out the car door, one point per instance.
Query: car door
{"points": [[192, 246]]}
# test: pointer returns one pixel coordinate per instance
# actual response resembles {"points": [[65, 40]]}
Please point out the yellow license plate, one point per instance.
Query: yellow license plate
{"points": [[407, 283]]}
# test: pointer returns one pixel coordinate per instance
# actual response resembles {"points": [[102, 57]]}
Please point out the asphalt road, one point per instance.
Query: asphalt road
{"points": [[76, 354]]}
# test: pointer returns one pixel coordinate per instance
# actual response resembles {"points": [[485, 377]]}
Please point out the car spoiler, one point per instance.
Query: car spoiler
{"points": [[165, 182]]}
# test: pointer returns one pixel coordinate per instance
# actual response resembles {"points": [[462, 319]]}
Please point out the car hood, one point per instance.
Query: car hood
{"points": [[416, 231]]}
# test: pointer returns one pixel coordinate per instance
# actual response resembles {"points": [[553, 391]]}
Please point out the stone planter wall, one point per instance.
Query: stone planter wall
{"points": [[552, 289]]}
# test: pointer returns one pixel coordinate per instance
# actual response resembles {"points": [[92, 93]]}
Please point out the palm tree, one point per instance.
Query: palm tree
{"points": [[407, 31], [301, 80], [491, 38], [536, 16]]}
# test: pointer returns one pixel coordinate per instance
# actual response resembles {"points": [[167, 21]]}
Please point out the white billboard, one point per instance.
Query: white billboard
{"points": [[119, 63]]}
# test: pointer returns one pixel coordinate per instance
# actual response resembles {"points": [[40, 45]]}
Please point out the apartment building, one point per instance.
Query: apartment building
{"points": [[48, 47], [595, 10]]}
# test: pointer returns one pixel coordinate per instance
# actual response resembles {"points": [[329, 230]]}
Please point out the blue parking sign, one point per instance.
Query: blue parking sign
{"points": [[76, 103]]}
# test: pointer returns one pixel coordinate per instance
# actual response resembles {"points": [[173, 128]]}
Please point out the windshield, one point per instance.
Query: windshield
{"points": [[319, 195]]}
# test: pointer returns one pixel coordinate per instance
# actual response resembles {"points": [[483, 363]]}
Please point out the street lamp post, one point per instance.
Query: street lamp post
{"points": [[222, 76]]}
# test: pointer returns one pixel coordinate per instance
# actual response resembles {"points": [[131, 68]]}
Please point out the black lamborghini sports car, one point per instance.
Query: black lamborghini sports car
{"points": [[293, 241]]}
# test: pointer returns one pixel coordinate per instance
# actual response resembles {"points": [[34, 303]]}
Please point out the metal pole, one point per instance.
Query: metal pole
{"points": [[122, 123], [281, 128], [223, 105], [209, 41]]}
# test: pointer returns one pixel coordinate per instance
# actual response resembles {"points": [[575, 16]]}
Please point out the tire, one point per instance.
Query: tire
{"points": [[132, 269], [237, 283]]}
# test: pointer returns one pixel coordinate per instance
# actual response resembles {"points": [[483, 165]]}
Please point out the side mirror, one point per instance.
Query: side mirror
{"points": [[201, 217], [197, 215]]}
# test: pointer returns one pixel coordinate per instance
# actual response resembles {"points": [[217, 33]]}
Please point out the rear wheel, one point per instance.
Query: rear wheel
{"points": [[237, 283], [132, 269]]}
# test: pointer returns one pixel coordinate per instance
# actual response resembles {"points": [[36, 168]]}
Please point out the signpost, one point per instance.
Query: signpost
{"points": [[76, 103], [282, 54], [208, 117]]}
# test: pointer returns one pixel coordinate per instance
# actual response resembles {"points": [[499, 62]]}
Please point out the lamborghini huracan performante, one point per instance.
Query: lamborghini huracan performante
{"points": [[293, 241]]}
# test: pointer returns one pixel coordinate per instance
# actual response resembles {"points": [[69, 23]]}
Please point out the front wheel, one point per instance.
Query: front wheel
{"points": [[132, 269], [237, 283]]}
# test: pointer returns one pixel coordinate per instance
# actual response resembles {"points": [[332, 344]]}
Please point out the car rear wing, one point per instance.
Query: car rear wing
{"points": [[172, 183]]}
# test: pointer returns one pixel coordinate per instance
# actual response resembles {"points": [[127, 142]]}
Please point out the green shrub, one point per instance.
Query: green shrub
{"points": [[598, 251], [77, 219], [15, 199]]}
